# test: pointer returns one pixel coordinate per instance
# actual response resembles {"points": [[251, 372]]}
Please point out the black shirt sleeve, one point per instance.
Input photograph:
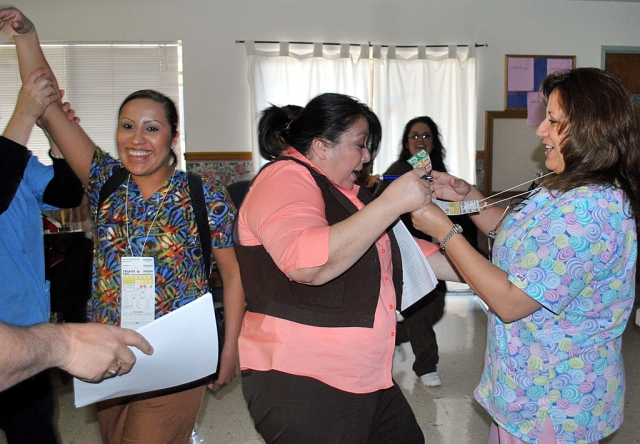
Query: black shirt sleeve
{"points": [[13, 161], [65, 189]]}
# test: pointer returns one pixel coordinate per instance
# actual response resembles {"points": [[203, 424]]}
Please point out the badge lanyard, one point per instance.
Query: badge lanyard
{"points": [[508, 209], [475, 206], [422, 160], [138, 295]]}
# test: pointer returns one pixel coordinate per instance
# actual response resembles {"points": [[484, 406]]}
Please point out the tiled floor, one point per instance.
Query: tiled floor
{"points": [[447, 414]]}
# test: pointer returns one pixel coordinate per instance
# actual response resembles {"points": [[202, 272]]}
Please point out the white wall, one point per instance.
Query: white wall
{"points": [[215, 83]]}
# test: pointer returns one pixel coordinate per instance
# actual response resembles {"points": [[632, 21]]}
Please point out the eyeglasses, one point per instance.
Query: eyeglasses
{"points": [[416, 136]]}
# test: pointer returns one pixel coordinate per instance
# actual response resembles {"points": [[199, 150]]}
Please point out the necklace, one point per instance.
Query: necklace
{"points": [[126, 211]]}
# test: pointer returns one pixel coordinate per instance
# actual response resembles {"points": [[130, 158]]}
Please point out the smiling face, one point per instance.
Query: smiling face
{"points": [[548, 131], [420, 138], [144, 139], [345, 158]]}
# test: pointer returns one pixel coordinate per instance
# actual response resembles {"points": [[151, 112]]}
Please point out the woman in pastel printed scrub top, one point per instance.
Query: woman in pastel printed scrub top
{"points": [[561, 286]]}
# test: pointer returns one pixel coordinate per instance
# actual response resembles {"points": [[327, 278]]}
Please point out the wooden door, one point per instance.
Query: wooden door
{"points": [[626, 66]]}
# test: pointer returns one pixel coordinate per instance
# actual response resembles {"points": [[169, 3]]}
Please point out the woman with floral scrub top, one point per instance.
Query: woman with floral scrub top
{"points": [[148, 219], [561, 286]]}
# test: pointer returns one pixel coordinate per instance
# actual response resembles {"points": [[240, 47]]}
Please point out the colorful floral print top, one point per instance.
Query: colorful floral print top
{"points": [[575, 253], [173, 239]]}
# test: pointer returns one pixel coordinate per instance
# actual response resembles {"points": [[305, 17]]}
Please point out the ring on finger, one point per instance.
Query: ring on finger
{"points": [[115, 371]]}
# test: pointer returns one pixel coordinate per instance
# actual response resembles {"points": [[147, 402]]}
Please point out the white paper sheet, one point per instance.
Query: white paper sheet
{"points": [[418, 276], [185, 344]]}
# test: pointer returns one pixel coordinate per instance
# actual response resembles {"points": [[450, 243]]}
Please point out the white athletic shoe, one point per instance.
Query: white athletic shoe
{"points": [[431, 379]]}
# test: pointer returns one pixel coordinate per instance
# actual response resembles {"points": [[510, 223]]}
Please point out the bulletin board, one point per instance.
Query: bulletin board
{"points": [[513, 152], [523, 74]]}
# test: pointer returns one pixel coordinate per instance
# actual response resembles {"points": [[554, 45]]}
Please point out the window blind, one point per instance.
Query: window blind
{"points": [[97, 78]]}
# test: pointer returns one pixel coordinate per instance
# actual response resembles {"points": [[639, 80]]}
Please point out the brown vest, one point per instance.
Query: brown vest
{"points": [[349, 300]]}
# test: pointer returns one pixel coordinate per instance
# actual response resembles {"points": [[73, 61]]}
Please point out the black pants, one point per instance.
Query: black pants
{"points": [[417, 328], [26, 412], [296, 409]]}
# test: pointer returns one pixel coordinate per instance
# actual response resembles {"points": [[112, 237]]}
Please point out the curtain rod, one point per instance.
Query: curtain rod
{"points": [[478, 45]]}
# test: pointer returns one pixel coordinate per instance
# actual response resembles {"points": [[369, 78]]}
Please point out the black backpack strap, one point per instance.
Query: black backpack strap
{"points": [[197, 201], [112, 184], [202, 218]]}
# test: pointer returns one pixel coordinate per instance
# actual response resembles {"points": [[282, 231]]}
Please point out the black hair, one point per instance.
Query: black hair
{"points": [[277, 123], [170, 109], [327, 116], [437, 153]]}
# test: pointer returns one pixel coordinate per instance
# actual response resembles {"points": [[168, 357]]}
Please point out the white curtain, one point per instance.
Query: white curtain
{"points": [[398, 84], [295, 74], [435, 82]]}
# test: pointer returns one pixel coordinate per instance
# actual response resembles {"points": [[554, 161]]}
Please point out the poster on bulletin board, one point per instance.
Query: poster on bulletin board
{"points": [[524, 74]]}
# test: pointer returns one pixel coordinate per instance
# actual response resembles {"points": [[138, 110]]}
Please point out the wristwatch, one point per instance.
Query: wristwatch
{"points": [[455, 230]]}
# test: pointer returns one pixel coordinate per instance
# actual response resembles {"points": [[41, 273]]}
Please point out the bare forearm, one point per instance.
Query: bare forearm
{"points": [[348, 241], [489, 282], [36, 94], [443, 268], [31, 57], [72, 142], [26, 351], [19, 129], [234, 307], [233, 293]]}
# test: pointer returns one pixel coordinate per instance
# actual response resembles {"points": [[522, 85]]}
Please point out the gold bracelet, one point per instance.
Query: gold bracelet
{"points": [[455, 230], [53, 156]]}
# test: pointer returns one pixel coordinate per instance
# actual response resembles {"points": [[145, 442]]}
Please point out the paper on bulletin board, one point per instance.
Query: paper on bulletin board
{"points": [[555, 65], [520, 74], [536, 110]]}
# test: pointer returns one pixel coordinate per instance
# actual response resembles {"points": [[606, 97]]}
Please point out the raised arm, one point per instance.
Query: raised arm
{"points": [[351, 238], [36, 94], [73, 142]]}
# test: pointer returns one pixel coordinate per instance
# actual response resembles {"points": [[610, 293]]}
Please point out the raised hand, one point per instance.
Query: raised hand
{"points": [[13, 23], [71, 115], [448, 187], [409, 192], [36, 94]]}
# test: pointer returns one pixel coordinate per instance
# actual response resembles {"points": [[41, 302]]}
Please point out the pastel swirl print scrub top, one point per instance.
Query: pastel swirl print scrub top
{"points": [[574, 253]]}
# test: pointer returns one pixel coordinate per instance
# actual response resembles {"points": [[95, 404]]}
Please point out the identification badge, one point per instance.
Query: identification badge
{"points": [[138, 296], [457, 208], [421, 160]]}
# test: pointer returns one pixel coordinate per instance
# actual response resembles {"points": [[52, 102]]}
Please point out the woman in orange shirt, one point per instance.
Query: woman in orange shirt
{"points": [[322, 276]]}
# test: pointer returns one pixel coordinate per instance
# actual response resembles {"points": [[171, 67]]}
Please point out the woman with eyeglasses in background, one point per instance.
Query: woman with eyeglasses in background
{"points": [[561, 287], [422, 133]]}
